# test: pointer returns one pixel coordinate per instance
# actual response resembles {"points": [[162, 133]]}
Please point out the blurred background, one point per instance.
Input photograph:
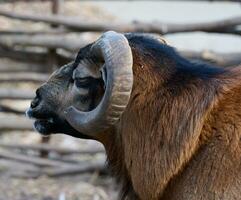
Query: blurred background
{"points": [[37, 37]]}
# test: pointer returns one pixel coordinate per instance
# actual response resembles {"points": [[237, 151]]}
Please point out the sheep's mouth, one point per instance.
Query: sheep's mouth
{"points": [[47, 124], [56, 125]]}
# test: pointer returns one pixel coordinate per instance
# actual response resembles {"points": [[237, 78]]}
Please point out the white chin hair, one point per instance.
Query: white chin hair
{"points": [[27, 113], [40, 128]]}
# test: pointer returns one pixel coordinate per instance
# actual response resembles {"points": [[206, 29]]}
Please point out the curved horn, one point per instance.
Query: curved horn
{"points": [[116, 52]]}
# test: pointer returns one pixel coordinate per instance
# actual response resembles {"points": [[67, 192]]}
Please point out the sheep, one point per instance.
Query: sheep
{"points": [[171, 128]]}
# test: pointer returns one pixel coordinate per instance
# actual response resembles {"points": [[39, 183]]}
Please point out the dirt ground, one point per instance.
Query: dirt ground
{"points": [[85, 186]]}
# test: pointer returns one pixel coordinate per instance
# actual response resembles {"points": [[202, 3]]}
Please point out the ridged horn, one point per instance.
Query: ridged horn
{"points": [[114, 49]]}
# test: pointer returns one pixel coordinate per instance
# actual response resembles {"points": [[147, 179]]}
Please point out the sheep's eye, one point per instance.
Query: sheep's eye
{"points": [[82, 82]]}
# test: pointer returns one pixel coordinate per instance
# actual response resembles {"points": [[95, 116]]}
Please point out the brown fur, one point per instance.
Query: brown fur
{"points": [[180, 135], [178, 141]]}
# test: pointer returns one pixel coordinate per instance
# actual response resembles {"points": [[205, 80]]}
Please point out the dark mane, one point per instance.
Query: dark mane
{"points": [[162, 52], [163, 79]]}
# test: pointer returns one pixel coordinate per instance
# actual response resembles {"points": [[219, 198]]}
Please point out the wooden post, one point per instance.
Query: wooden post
{"points": [[44, 140], [56, 6], [55, 9], [52, 63]]}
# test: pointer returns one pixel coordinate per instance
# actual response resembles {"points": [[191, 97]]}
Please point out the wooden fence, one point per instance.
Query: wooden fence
{"points": [[59, 45]]}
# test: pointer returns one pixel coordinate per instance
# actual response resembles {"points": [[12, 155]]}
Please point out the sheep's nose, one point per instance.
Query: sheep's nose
{"points": [[35, 102]]}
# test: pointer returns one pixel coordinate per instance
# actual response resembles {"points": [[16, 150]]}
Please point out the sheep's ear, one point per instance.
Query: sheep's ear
{"points": [[87, 68]]}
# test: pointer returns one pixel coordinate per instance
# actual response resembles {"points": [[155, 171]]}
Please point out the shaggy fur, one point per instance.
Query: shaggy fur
{"points": [[180, 135]]}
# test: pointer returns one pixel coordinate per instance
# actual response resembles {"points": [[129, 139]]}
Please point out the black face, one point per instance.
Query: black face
{"points": [[60, 92], [45, 105]]}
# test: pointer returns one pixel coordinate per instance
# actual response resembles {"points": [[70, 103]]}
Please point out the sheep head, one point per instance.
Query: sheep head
{"points": [[89, 95]]}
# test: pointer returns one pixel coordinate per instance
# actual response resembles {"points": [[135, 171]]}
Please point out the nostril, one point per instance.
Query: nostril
{"points": [[38, 93], [35, 102]]}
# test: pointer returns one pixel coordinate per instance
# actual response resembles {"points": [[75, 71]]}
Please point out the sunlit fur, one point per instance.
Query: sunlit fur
{"points": [[179, 138], [180, 135]]}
